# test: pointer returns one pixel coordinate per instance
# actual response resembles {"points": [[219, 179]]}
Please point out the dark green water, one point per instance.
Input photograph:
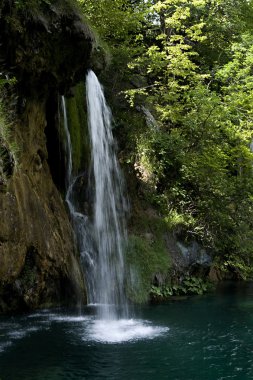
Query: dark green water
{"points": [[204, 338]]}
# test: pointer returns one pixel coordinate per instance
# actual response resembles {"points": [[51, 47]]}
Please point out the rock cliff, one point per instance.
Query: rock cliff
{"points": [[47, 47]]}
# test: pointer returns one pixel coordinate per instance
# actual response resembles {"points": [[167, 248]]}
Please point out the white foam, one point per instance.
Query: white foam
{"points": [[33, 329], [36, 315], [123, 330], [52, 317], [4, 345], [60, 318], [17, 334]]}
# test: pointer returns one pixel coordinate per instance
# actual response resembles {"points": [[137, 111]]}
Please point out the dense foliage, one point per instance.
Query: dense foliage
{"points": [[190, 63]]}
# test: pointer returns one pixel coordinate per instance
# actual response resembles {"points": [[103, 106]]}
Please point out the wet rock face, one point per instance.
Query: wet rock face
{"points": [[47, 48], [38, 261]]}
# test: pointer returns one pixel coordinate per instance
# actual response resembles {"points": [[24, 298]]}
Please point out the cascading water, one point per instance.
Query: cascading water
{"points": [[109, 205], [100, 237], [101, 240]]}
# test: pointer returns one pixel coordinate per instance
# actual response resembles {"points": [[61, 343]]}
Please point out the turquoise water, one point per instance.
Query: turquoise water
{"points": [[199, 338]]}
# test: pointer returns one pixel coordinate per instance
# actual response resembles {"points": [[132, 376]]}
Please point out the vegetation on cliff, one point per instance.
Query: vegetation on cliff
{"points": [[190, 63]]}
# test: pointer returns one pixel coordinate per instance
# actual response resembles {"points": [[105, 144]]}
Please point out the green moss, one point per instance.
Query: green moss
{"points": [[77, 119], [147, 256]]}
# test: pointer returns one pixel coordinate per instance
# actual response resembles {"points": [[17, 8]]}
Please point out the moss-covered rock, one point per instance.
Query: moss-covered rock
{"points": [[47, 47], [33, 219], [77, 121], [147, 256], [44, 44]]}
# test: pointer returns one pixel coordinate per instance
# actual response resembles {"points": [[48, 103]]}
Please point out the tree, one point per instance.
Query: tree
{"points": [[199, 69], [193, 64]]}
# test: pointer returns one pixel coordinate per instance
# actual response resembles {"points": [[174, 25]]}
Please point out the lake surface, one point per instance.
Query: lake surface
{"points": [[199, 338]]}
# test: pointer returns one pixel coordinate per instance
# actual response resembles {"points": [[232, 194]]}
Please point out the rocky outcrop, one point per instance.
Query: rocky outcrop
{"points": [[44, 44], [47, 48], [188, 258]]}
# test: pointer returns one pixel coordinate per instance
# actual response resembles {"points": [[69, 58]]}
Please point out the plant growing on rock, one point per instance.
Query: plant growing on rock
{"points": [[190, 285]]}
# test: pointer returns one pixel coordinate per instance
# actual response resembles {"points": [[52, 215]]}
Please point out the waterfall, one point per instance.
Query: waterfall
{"points": [[100, 237], [109, 204]]}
